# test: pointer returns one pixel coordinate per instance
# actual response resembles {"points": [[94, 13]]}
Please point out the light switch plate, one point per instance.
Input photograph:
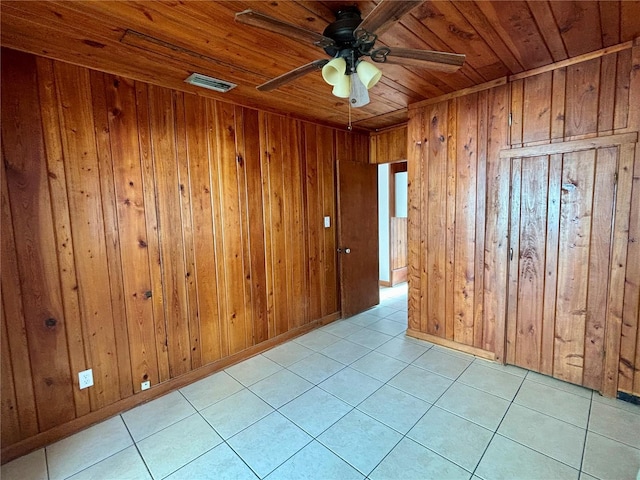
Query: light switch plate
{"points": [[327, 222]]}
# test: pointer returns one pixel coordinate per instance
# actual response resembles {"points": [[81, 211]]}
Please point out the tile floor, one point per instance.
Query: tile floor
{"points": [[357, 399]]}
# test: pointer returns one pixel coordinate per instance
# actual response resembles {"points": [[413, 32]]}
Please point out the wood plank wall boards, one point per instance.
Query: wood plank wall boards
{"points": [[502, 157], [389, 146], [150, 235]]}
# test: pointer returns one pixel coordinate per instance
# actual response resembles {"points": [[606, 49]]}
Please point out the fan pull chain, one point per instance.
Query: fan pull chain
{"points": [[349, 127]]}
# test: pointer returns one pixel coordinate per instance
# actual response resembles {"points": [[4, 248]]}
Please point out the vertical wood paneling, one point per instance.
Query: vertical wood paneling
{"points": [[198, 220], [37, 268], [127, 174], [88, 227], [200, 187], [465, 221], [162, 119], [513, 259], [583, 82], [152, 231], [452, 150], [417, 145], [62, 223], [573, 264], [531, 259], [537, 107], [599, 261], [112, 240], [480, 214], [434, 190], [328, 158], [17, 343]]}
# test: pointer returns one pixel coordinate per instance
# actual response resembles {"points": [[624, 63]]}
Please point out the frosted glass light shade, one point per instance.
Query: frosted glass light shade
{"points": [[333, 70], [342, 89], [368, 73]]}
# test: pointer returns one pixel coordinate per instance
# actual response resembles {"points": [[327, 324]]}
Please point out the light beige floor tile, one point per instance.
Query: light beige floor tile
{"points": [[381, 311], [236, 412], [345, 352], [351, 386], [316, 368], [30, 466], [586, 476], [388, 326], [220, 463], [211, 389], [394, 408], [315, 411], [315, 462], [607, 459], [268, 443], [369, 338], [480, 407], [512, 369], [175, 446], [615, 423], [614, 402], [402, 349], [552, 401], [454, 352], [341, 328], [400, 316], [280, 388], [360, 440], [421, 383], [508, 460], [455, 438], [411, 460], [126, 464], [316, 340], [379, 366], [253, 370], [85, 448], [152, 417], [556, 383], [435, 361], [288, 353], [492, 381], [363, 319], [550, 436]]}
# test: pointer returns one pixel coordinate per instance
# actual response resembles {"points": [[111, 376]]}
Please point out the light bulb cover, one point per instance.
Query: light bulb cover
{"points": [[359, 96], [369, 74], [334, 70], [342, 89]]}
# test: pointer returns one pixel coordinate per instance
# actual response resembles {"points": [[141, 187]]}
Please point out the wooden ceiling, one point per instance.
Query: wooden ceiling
{"points": [[163, 42]]}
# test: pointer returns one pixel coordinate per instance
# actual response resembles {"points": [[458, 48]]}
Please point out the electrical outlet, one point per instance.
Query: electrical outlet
{"points": [[85, 379], [145, 385]]}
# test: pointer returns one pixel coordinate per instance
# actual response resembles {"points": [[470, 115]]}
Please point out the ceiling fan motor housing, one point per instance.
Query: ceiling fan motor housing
{"points": [[347, 46]]}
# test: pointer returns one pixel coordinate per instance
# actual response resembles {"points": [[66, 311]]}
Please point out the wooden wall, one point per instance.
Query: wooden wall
{"points": [[461, 222], [147, 233]]}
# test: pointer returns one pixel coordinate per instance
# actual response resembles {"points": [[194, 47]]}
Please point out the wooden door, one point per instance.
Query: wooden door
{"points": [[358, 236], [561, 226]]}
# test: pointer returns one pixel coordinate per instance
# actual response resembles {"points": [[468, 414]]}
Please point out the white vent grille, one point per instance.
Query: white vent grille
{"points": [[209, 82]]}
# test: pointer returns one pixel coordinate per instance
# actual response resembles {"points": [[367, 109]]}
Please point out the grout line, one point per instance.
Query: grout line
{"points": [[135, 444]]}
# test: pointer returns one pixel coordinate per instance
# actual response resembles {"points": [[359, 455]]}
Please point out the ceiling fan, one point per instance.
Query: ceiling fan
{"points": [[347, 40]]}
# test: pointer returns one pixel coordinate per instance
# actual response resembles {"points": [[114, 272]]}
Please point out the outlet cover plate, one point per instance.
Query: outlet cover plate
{"points": [[85, 378], [145, 385], [327, 222]]}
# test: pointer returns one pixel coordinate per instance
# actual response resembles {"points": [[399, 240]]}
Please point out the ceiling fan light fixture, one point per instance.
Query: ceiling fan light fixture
{"points": [[342, 89], [333, 71], [368, 73]]}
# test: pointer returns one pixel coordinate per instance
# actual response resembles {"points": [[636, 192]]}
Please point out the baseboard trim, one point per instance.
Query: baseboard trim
{"points": [[54, 434], [478, 352]]}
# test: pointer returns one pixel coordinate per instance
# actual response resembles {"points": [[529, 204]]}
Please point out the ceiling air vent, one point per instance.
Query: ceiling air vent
{"points": [[211, 83]]}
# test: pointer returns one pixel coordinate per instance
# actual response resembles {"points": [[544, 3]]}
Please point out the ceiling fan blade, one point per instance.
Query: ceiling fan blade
{"points": [[385, 14], [292, 75], [440, 61], [260, 20]]}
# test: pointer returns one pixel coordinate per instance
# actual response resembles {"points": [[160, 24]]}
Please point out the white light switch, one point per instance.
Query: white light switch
{"points": [[327, 222]]}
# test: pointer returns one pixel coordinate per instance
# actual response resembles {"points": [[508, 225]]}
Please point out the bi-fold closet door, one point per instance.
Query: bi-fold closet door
{"points": [[563, 287]]}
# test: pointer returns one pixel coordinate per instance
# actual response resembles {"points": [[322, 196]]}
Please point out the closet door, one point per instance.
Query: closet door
{"points": [[561, 225]]}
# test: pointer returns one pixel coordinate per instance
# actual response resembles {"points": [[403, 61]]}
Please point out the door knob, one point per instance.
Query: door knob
{"points": [[344, 250]]}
